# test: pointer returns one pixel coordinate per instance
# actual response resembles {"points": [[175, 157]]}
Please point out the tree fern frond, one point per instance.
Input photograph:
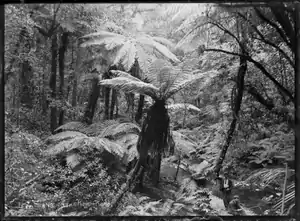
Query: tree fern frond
{"points": [[164, 42], [124, 74], [96, 128], [205, 77], [111, 147], [66, 146], [180, 106], [102, 34], [109, 43], [126, 55], [159, 47], [72, 126], [121, 129], [129, 86], [66, 135]]}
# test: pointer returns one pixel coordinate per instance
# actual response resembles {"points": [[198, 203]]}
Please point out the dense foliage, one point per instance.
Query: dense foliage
{"points": [[102, 97]]}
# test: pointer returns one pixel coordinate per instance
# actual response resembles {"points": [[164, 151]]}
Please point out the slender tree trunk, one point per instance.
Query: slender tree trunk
{"points": [[113, 103], [297, 103], [52, 84], [117, 106], [106, 103], [62, 51], [92, 102], [237, 105], [75, 76], [139, 112]]}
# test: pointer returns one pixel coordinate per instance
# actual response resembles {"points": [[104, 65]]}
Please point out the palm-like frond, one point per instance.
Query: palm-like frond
{"points": [[159, 47], [205, 77], [117, 73], [63, 136], [181, 106], [120, 129], [96, 129], [128, 47], [72, 126], [164, 42], [129, 86]]}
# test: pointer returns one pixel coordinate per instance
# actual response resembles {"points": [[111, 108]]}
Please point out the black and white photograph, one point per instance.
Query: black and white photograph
{"points": [[151, 109]]}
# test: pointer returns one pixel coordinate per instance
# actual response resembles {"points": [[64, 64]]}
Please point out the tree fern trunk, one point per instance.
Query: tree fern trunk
{"points": [[117, 106], [113, 102], [92, 102], [75, 75], [106, 103], [139, 112], [237, 105], [52, 84], [62, 51]]}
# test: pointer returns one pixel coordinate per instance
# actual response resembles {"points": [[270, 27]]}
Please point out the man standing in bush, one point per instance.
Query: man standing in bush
{"points": [[225, 186]]}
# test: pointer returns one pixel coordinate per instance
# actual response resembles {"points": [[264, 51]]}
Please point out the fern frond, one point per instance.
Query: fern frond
{"points": [[159, 47], [110, 146], [66, 135], [164, 42], [129, 86], [120, 129], [109, 43], [181, 106], [72, 126], [124, 74], [126, 55], [96, 129], [205, 77], [66, 146], [101, 34]]}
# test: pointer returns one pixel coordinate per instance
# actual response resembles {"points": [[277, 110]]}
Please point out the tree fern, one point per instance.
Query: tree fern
{"points": [[120, 130], [180, 106], [130, 86], [128, 47], [72, 126], [66, 135]]}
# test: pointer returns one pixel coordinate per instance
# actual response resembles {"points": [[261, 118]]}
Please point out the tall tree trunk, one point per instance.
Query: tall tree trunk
{"points": [[75, 76], [113, 102], [62, 51], [92, 102], [106, 103], [236, 102], [297, 101], [139, 112], [117, 106], [52, 83]]}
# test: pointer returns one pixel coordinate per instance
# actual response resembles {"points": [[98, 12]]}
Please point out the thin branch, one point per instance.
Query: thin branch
{"points": [[228, 32], [283, 19], [263, 39], [274, 25], [259, 66]]}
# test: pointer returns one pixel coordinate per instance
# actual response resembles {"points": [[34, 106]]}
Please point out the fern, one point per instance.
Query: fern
{"points": [[96, 129], [120, 130], [127, 48], [180, 106], [66, 135], [129, 86], [72, 126]]}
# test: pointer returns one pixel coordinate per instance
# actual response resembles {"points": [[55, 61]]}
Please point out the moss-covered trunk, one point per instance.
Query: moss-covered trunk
{"points": [[113, 103], [61, 62], [52, 83], [92, 102], [139, 112]]}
